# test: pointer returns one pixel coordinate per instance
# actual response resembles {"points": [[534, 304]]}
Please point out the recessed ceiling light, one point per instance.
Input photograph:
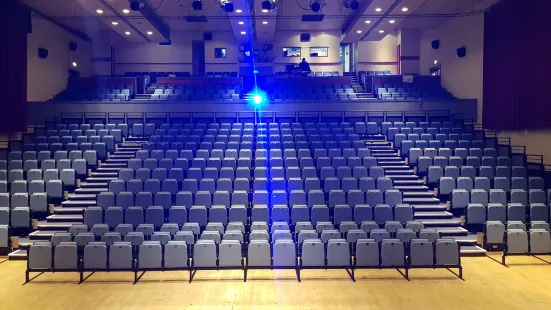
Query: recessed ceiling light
{"points": [[368, 22], [150, 33], [378, 9], [241, 23], [435, 61], [126, 11], [405, 9], [359, 31], [127, 33], [264, 23], [238, 11], [392, 21], [264, 11], [381, 31], [243, 32], [115, 23], [99, 11], [75, 64]]}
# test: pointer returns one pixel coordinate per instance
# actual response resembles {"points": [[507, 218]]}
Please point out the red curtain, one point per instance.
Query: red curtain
{"points": [[15, 20], [517, 65]]}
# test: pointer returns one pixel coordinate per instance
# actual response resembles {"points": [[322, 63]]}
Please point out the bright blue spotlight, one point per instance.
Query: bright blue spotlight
{"points": [[257, 99]]}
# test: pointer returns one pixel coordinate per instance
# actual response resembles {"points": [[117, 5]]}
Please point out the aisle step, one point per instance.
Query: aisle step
{"points": [[417, 200], [68, 210], [109, 169], [390, 163], [381, 151], [432, 215], [61, 218], [387, 156], [104, 174], [411, 188], [44, 234], [469, 239], [396, 167], [81, 196], [95, 185], [19, 254], [124, 152], [451, 231], [401, 172], [78, 203], [411, 182], [428, 207], [471, 250], [114, 165], [117, 156], [116, 160], [392, 158], [402, 177], [43, 225], [429, 223], [99, 180], [96, 190], [417, 194]]}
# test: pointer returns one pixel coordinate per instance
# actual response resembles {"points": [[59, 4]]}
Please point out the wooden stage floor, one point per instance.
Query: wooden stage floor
{"points": [[525, 284]]}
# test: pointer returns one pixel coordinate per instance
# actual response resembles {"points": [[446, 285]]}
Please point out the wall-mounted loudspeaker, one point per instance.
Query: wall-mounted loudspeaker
{"points": [[435, 44], [305, 37], [42, 53], [72, 46], [207, 36], [461, 52]]}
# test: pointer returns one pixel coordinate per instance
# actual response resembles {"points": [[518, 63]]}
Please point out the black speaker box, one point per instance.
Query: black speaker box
{"points": [[461, 52], [72, 46], [207, 36], [305, 37], [42, 53], [435, 44]]}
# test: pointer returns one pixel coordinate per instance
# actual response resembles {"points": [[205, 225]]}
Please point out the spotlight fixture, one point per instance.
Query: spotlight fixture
{"points": [[317, 5], [243, 32], [114, 23], [378, 10], [405, 9], [392, 21], [150, 33], [226, 5], [126, 11], [381, 31], [359, 31], [238, 11], [368, 22], [257, 99], [351, 4], [268, 5], [99, 11], [197, 5], [75, 64], [265, 11], [241, 23], [264, 23], [127, 33], [435, 62]]}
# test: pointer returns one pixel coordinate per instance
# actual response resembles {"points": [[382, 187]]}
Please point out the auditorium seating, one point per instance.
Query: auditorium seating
{"points": [[104, 94]]}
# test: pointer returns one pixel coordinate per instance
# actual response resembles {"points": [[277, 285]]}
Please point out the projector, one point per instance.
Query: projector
{"points": [[136, 5]]}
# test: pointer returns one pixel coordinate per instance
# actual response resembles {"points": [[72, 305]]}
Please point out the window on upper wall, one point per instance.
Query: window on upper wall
{"points": [[319, 51], [220, 52], [291, 52]]}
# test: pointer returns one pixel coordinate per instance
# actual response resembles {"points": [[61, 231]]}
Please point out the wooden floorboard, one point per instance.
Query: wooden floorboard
{"points": [[525, 284]]}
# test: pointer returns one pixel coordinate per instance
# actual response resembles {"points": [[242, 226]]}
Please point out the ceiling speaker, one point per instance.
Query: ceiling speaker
{"points": [[305, 37], [461, 52], [435, 44], [42, 53]]}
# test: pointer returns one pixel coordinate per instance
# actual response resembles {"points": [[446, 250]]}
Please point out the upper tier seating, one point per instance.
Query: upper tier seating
{"points": [[153, 75], [410, 91], [194, 93], [104, 94]]}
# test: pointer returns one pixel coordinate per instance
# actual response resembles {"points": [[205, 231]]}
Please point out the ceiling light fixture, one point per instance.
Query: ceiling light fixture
{"points": [[381, 31], [378, 10], [243, 32], [359, 31], [114, 23], [264, 23], [405, 9], [127, 33], [435, 61], [238, 11], [241, 23], [265, 11], [392, 21], [75, 64], [99, 11], [368, 22], [149, 33], [126, 11]]}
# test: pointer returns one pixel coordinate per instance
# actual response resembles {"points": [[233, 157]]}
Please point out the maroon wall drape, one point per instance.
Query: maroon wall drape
{"points": [[15, 20], [517, 65]]}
